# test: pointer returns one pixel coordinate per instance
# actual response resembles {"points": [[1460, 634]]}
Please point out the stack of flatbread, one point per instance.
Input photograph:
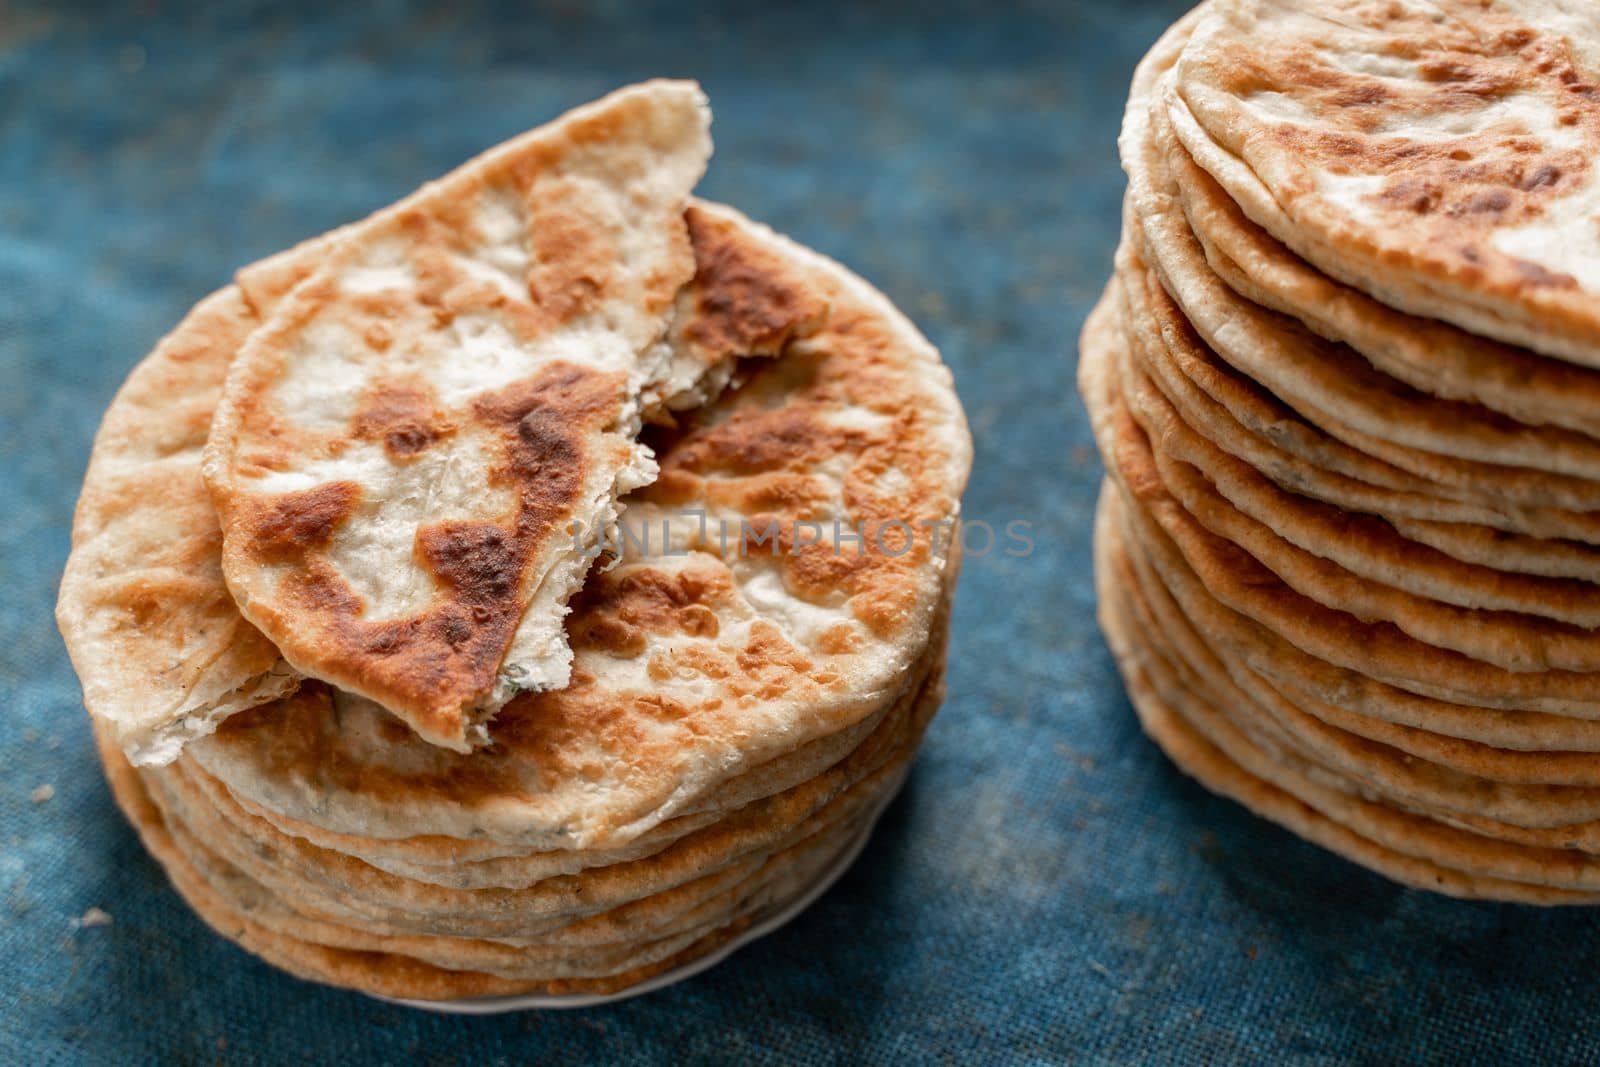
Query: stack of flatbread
{"points": [[530, 588], [1346, 382]]}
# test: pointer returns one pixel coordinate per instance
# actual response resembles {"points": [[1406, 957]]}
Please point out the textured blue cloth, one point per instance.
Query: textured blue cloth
{"points": [[1047, 889]]}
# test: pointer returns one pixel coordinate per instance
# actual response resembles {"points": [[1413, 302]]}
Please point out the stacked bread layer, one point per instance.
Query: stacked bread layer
{"points": [[411, 918], [534, 698], [1348, 556], [614, 831]]}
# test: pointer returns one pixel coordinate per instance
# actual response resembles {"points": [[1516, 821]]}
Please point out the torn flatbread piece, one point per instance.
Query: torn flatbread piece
{"points": [[410, 451], [162, 651]]}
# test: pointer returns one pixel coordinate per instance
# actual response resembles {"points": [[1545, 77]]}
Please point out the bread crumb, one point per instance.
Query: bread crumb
{"points": [[43, 793], [92, 917]]}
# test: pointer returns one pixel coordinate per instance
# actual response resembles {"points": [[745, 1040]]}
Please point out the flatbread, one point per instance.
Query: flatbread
{"points": [[1520, 872], [285, 941], [1475, 845], [1531, 734], [1283, 449], [1544, 815], [1366, 544], [1358, 600], [147, 547], [748, 686], [697, 665], [1347, 686], [1450, 442], [158, 644], [1241, 417], [1183, 550], [1431, 152], [760, 795], [410, 449], [1361, 831], [448, 860], [1514, 640], [339, 890], [1380, 649], [504, 901], [1426, 354]]}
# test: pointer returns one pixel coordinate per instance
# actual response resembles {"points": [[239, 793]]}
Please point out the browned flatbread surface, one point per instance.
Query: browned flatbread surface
{"points": [[307, 718], [404, 445], [1345, 129], [1346, 553]]}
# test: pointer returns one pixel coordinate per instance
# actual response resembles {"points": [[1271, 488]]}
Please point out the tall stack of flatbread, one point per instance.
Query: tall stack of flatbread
{"points": [[528, 589], [1346, 383]]}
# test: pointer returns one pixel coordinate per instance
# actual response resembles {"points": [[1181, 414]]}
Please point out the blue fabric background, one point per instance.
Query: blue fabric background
{"points": [[1047, 889]]}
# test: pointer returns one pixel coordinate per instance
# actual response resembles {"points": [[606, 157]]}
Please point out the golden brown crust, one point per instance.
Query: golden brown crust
{"points": [[1426, 353], [1466, 449], [1183, 718], [1477, 181], [314, 948], [1442, 184], [451, 650], [697, 663], [744, 299], [680, 671], [405, 416], [428, 347]]}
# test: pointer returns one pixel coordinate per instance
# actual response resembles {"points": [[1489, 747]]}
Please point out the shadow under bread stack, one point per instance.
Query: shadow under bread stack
{"points": [[1346, 383]]}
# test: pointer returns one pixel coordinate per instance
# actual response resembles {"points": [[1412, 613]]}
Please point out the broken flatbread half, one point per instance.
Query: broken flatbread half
{"points": [[415, 451], [160, 647]]}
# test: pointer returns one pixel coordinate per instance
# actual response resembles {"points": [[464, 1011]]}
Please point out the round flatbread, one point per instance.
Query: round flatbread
{"points": [[1438, 154], [748, 627], [407, 446]]}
